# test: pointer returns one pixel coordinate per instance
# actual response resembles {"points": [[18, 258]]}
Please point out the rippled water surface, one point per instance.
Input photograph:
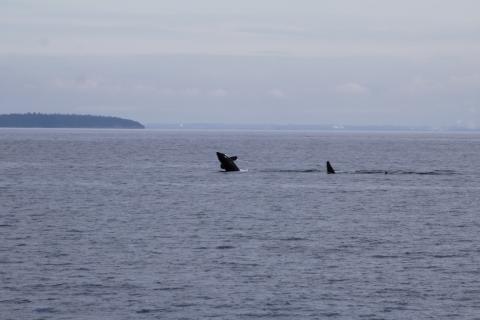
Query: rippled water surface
{"points": [[142, 225]]}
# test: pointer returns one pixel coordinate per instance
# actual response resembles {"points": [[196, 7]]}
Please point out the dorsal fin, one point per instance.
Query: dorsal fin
{"points": [[330, 169], [233, 158]]}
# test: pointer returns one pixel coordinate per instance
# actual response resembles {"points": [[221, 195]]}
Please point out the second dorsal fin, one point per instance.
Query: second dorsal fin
{"points": [[330, 169]]}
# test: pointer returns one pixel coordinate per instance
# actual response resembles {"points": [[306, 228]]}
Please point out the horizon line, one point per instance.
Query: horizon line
{"points": [[315, 127]]}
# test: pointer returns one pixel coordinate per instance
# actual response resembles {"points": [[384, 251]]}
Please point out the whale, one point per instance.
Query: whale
{"points": [[330, 169], [227, 163]]}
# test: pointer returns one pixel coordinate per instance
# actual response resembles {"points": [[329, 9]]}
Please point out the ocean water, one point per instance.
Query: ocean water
{"points": [[125, 224]]}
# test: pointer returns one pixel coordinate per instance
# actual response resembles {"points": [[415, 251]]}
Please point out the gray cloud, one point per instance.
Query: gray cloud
{"points": [[276, 93], [310, 28], [342, 61], [351, 88]]}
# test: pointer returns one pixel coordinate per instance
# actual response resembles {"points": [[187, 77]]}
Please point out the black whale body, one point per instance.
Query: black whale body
{"points": [[227, 163]]}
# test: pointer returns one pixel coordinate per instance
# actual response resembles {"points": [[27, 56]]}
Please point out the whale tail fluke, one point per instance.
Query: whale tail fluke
{"points": [[330, 169]]}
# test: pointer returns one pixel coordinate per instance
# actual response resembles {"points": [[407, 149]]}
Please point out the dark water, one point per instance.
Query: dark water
{"points": [[142, 225]]}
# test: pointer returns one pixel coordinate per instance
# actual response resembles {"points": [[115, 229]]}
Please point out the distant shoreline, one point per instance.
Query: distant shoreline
{"points": [[293, 127], [42, 120]]}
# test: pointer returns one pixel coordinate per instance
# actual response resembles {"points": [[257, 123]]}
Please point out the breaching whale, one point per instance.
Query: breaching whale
{"points": [[330, 168], [227, 163]]}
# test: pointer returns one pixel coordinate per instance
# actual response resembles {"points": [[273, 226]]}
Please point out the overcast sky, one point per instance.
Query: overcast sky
{"points": [[369, 62]]}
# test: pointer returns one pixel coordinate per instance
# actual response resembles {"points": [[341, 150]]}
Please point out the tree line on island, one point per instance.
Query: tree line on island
{"points": [[42, 120]]}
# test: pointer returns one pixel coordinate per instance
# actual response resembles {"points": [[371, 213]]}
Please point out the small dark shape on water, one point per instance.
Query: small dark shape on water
{"points": [[225, 247]]}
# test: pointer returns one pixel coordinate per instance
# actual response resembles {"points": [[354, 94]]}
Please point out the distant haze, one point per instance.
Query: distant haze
{"points": [[339, 62]]}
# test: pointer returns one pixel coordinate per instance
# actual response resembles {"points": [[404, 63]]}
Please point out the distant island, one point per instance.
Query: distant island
{"points": [[41, 120]]}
